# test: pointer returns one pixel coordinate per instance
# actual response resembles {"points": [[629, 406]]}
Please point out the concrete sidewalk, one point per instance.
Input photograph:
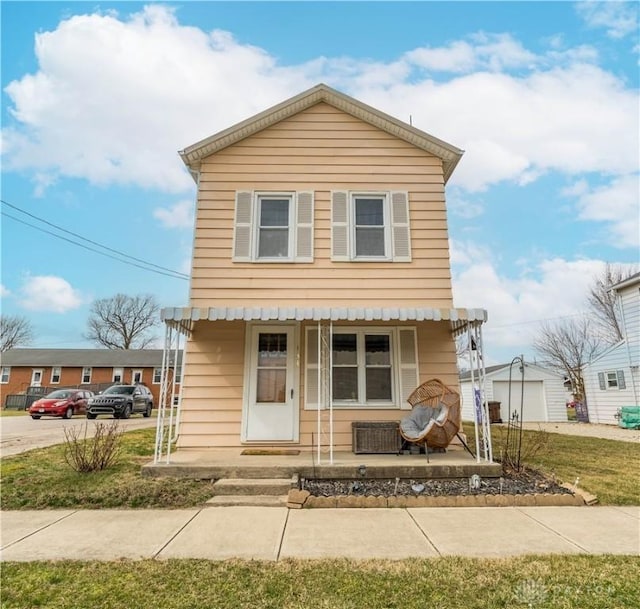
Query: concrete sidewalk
{"points": [[277, 533]]}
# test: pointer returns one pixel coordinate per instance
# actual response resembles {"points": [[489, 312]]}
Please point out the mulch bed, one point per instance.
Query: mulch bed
{"points": [[516, 483]]}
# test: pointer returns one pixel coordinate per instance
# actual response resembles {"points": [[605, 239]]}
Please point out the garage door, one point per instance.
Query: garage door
{"points": [[533, 403]]}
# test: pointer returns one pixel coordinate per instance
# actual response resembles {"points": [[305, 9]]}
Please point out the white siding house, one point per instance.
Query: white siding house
{"points": [[544, 399], [612, 380]]}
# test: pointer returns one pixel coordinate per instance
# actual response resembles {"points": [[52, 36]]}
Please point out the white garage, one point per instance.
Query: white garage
{"points": [[542, 393]]}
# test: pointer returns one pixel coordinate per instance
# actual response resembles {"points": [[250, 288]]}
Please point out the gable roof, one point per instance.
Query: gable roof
{"points": [[450, 155], [78, 358]]}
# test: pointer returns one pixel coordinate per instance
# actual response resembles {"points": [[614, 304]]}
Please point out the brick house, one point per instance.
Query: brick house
{"points": [[93, 369]]}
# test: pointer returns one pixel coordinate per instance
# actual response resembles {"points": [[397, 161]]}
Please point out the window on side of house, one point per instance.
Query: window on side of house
{"points": [[157, 376], [611, 380], [273, 227], [86, 375], [370, 226], [6, 374], [56, 372], [118, 375], [370, 367]]}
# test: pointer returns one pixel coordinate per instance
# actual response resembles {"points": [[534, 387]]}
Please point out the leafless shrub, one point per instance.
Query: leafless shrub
{"points": [[91, 454], [530, 444]]}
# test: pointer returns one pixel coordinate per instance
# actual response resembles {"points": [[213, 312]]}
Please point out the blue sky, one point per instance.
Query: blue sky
{"points": [[98, 98]]}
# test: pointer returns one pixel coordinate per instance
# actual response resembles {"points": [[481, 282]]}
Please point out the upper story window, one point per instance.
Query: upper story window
{"points": [[55, 375], [370, 226], [6, 374], [273, 227], [86, 375]]}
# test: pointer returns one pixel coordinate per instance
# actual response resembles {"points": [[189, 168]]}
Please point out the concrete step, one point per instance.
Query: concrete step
{"points": [[253, 486], [248, 500]]}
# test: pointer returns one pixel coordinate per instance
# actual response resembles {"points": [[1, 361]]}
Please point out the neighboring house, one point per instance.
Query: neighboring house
{"points": [[87, 368], [544, 398], [612, 379], [321, 283]]}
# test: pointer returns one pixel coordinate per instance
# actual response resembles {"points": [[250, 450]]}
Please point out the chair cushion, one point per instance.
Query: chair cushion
{"points": [[421, 419]]}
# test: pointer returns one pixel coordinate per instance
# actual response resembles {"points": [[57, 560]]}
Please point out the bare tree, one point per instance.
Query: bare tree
{"points": [[602, 302], [123, 322], [15, 331], [568, 345]]}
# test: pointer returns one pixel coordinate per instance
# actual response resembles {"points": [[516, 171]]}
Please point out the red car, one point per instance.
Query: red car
{"points": [[61, 403]]}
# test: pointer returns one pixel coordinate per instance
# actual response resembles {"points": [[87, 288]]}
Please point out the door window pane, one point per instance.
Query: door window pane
{"points": [[271, 384], [273, 237]]}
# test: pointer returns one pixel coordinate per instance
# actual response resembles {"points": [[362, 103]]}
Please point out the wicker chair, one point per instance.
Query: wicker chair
{"points": [[440, 431]]}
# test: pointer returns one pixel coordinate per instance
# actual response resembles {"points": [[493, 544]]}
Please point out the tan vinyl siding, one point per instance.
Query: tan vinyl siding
{"points": [[321, 150], [213, 393]]}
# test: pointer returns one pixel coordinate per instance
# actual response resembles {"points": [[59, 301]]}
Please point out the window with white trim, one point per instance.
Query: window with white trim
{"points": [[370, 226], [157, 376], [273, 227], [136, 377], [370, 367], [611, 380], [56, 372], [118, 375], [86, 375], [6, 374]]}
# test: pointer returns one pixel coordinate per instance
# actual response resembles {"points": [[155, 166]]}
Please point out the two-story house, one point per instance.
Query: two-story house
{"points": [[612, 380], [321, 284]]}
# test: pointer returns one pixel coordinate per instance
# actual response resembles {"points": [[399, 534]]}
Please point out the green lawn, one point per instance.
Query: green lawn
{"points": [[605, 468], [588, 582], [41, 479]]}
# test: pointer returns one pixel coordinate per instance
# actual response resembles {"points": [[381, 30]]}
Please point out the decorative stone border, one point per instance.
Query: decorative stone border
{"points": [[298, 499]]}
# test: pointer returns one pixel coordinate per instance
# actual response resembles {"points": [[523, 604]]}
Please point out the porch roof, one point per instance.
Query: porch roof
{"points": [[185, 316]]}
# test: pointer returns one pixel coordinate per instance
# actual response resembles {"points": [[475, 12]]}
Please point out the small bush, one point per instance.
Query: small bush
{"points": [[95, 453], [534, 443]]}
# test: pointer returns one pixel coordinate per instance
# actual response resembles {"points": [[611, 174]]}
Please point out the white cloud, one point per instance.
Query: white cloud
{"points": [[49, 293], [149, 86], [179, 215], [485, 52], [618, 18], [618, 205], [4, 291], [554, 288]]}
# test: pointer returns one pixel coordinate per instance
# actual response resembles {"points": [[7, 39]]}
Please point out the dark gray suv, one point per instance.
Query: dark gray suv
{"points": [[121, 401]]}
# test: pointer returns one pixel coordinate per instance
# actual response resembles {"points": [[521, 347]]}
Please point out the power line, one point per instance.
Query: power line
{"points": [[122, 256], [91, 249]]}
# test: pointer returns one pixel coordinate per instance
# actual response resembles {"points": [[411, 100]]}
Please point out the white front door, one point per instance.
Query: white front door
{"points": [[271, 410]]}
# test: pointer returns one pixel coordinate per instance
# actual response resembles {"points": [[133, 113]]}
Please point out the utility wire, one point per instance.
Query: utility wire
{"points": [[168, 272], [91, 249]]}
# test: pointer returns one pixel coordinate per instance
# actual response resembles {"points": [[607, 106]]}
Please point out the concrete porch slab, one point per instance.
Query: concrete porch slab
{"points": [[102, 535], [610, 530], [230, 532], [357, 534], [489, 532], [230, 463]]}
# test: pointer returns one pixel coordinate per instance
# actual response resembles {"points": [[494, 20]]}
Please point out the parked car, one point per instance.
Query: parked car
{"points": [[61, 403], [121, 401]]}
